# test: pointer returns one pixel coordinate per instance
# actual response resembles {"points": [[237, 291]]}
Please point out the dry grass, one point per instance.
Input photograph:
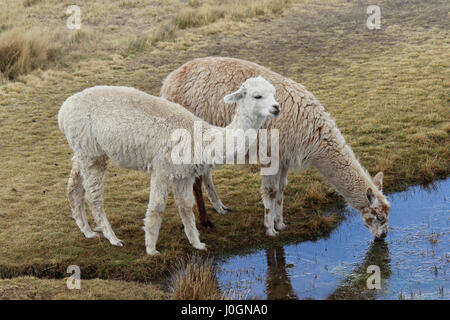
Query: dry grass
{"points": [[387, 89], [31, 288], [195, 17], [164, 32], [23, 51], [195, 279], [29, 3], [203, 14]]}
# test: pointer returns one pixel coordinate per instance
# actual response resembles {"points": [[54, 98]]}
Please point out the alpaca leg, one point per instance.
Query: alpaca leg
{"points": [[269, 190], [159, 189], [75, 194], [212, 195], [93, 171], [182, 190], [202, 213], [279, 224]]}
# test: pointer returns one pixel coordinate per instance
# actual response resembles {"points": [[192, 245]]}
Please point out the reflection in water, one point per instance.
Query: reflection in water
{"points": [[278, 283], [414, 259], [354, 286]]}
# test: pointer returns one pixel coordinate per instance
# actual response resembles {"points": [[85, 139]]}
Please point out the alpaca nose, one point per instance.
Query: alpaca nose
{"points": [[276, 107], [381, 236]]}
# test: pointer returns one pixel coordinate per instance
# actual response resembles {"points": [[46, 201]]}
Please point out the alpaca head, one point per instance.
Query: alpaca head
{"points": [[376, 213], [257, 97]]}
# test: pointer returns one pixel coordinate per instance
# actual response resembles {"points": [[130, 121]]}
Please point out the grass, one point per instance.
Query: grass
{"points": [[162, 33], [388, 90], [195, 279], [199, 14], [23, 51], [206, 13], [29, 3], [31, 288]]}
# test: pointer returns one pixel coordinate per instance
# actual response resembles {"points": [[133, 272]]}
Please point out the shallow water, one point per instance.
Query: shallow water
{"points": [[413, 260]]}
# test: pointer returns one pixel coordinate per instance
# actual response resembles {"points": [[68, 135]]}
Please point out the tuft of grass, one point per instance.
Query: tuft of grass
{"points": [[164, 32], [77, 36], [127, 4], [138, 44], [29, 3], [22, 52], [195, 279], [197, 15]]}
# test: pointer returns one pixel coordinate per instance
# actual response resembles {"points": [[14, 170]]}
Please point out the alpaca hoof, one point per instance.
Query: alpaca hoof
{"points": [[271, 233], [223, 209], [117, 242], [281, 227], [208, 225], [91, 234], [200, 246], [152, 252]]}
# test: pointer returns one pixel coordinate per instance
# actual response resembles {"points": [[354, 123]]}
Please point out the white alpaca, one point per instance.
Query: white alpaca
{"points": [[133, 130], [308, 137]]}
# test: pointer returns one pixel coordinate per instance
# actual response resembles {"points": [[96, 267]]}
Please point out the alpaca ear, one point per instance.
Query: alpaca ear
{"points": [[370, 196], [378, 180], [235, 96]]}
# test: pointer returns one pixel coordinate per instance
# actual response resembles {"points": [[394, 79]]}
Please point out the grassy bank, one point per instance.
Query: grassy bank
{"points": [[51, 289], [388, 90]]}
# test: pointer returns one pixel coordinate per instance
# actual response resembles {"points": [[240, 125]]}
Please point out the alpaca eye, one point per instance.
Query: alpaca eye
{"points": [[257, 97], [380, 218]]}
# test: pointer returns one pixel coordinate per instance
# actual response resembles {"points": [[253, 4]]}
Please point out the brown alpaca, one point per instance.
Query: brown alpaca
{"points": [[308, 137]]}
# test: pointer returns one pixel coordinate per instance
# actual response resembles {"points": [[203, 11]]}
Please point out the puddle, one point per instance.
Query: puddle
{"points": [[413, 260]]}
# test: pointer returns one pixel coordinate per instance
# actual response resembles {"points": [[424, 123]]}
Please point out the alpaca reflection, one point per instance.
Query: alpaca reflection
{"points": [[354, 287], [278, 282]]}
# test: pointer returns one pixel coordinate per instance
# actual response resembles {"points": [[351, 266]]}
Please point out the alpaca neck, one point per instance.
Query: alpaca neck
{"points": [[346, 175], [244, 121], [239, 129]]}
